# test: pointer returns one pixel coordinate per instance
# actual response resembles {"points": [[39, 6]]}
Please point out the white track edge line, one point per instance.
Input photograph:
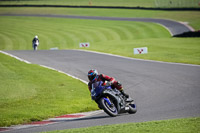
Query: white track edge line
{"points": [[27, 126], [90, 113], [43, 66], [15, 57], [134, 58]]}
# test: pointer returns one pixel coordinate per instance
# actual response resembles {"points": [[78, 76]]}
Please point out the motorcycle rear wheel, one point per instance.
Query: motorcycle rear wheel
{"points": [[110, 110]]}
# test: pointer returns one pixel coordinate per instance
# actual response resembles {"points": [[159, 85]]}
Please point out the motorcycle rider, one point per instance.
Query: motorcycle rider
{"points": [[35, 42], [93, 76]]}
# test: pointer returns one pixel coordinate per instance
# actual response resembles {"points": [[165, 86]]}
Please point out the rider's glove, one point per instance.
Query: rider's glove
{"points": [[108, 83], [118, 83]]}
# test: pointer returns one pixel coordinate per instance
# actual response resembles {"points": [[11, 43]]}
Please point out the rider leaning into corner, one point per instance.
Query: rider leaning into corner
{"points": [[93, 76]]}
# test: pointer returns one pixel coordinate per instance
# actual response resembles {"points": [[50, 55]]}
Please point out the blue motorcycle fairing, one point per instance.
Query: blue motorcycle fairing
{"points": [[97, 89]]}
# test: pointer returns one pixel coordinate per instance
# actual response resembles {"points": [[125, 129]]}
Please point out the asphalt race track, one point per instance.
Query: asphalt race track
{"points": [[161, 90]]}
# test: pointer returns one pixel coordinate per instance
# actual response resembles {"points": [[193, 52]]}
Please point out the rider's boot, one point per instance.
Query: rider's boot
{"points": [[128, 99], [123, 93]]}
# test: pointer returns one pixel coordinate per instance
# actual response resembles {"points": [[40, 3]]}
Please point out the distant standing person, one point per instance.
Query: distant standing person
{"points": [[35, 42]]}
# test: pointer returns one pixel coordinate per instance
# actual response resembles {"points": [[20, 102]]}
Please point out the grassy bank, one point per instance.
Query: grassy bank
{"points": [[188, 125], [68, 33], [30, 93], [116, 37]]}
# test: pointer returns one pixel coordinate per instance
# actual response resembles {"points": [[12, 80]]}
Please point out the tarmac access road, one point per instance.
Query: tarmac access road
{"points": [[161, 90], [173, 27]]}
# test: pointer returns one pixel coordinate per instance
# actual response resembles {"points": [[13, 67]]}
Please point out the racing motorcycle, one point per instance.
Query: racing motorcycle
{"points": [[35, 45], [111, 100]]}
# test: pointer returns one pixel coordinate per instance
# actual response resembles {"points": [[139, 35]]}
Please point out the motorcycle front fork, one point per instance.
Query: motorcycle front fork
{"points": [[108, 101]]}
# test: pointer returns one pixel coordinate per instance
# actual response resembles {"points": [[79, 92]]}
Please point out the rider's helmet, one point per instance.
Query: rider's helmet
{"points": [[36, 37], [92, 75]]}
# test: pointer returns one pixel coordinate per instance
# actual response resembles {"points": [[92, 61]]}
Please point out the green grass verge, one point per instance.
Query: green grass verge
{"points": [[116, 37], [179, 50], [29, 92], [187, 125]]}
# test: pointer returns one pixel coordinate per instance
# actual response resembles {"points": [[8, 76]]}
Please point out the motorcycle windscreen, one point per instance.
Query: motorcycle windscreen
{"points": [[97, 87]]}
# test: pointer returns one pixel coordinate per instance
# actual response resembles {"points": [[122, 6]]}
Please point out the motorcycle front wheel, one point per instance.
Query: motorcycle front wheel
{"points": [[108, 107]]}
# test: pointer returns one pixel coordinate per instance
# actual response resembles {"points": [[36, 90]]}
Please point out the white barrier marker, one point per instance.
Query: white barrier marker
{"points": [[87, 44], [56, 48], [142, 50]]}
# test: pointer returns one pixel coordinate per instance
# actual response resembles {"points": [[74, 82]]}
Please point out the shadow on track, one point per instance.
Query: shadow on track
{"points": [[80, 119]]}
